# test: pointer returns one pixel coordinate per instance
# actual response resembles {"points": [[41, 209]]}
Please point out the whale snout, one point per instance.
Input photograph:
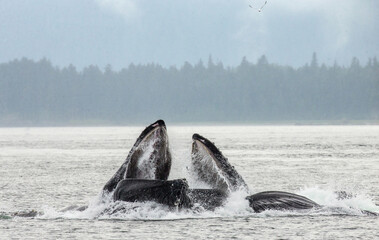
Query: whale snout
{"points": [[159, 123]]}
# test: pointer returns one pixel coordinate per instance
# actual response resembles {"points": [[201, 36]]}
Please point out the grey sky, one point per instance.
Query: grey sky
{"points": [[169, 32]]}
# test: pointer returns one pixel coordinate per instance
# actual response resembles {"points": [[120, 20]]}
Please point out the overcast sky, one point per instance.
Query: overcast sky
{"points": [[170, 32]]}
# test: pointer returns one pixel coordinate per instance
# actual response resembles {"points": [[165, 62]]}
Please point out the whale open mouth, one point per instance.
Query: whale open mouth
{"points": [[211, 167], [149, 158]]}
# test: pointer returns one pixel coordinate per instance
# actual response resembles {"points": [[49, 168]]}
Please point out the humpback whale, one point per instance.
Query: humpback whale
{"points": [[143, 175], [212, 167], [149, 158]]}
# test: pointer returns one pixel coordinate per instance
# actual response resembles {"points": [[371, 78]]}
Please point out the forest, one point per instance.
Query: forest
{"points": [[37, 93]]}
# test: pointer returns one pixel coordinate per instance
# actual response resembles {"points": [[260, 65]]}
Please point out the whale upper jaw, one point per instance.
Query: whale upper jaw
{"points": [[149, 158], [213, 168], [147, 132]]}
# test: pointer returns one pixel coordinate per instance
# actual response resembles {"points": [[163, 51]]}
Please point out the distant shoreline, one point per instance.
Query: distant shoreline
{"points": [[196, 123]]}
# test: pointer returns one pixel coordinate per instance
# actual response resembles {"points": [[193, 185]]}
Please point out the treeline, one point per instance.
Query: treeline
{"points": [[37, 93]]}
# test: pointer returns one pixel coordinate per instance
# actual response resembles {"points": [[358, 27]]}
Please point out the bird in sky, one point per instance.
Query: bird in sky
{"points": [[258, 9]]}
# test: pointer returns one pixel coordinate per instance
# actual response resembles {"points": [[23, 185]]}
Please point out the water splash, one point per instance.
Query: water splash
{"points": [[235, 206], [331, 199]]}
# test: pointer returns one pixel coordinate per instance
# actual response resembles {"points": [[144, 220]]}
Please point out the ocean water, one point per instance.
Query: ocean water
{"points": [[49, 169]]}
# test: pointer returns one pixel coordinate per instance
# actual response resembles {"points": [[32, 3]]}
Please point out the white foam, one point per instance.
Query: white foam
{"points": [[329, 198], [235, 206]]}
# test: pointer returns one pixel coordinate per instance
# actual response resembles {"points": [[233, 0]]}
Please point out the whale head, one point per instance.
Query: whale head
{"points": [[149, 158], [213, 168]]}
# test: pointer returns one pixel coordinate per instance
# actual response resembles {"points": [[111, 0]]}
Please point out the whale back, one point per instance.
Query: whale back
{"points": [[276, 200]]}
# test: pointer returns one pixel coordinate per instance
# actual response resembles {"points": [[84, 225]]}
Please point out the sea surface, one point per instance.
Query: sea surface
{"points": [[50, 169]]}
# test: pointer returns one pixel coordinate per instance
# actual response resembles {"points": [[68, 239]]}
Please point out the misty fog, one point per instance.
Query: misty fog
{"points": [[37, 93]]}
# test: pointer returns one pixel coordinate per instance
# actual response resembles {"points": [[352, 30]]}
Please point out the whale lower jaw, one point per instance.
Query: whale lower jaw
{"points": [[172, 193]]}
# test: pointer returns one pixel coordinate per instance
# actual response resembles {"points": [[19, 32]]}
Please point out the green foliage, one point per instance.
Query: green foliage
{"points": [[36, 93]]}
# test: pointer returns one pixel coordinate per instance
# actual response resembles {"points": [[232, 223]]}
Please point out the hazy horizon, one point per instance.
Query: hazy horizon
{"points": [[362, 62]]}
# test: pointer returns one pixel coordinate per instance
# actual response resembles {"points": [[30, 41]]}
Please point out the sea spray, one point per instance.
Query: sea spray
{"points": [[353, 203]]}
